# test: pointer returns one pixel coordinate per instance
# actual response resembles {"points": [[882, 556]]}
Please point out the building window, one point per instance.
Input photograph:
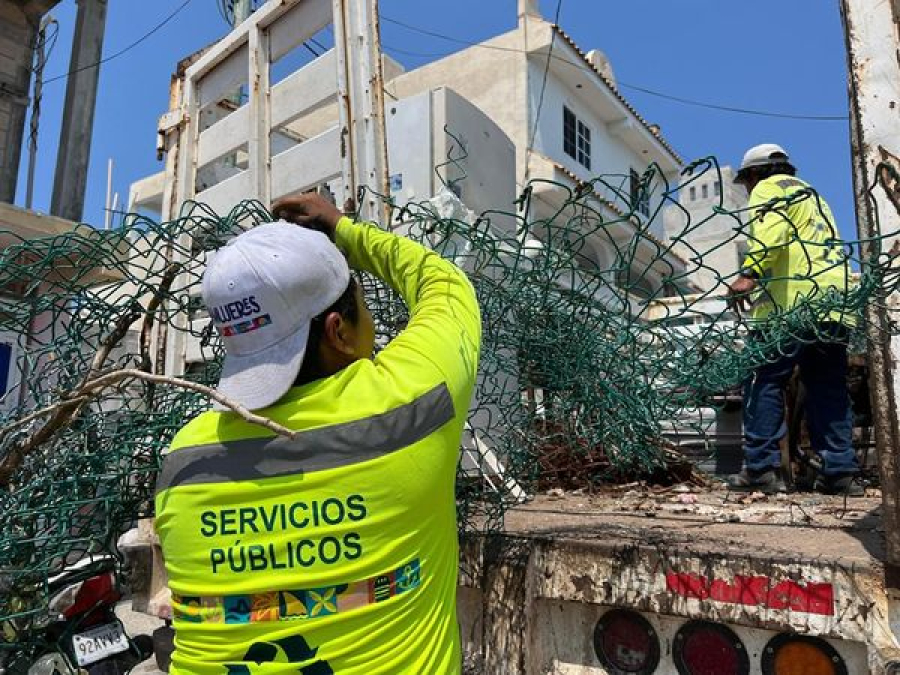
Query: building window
{"points": [[640, 196], [693, 194], [717, 188], [704, 189], [576, 138]]}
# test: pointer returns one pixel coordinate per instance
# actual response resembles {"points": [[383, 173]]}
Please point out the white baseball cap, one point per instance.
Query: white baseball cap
{"points": [[263, 289]]}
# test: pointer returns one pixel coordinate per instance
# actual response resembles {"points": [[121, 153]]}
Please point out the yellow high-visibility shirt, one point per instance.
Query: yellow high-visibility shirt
{"points": [[336, 551], [795, 248]]}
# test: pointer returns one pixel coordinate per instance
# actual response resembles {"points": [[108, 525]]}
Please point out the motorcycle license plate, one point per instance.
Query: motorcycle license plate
{"points": [[98, 643]]}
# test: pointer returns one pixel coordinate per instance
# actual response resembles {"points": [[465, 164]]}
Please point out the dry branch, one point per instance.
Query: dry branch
{"points": [[60, 412], [95, 381]]}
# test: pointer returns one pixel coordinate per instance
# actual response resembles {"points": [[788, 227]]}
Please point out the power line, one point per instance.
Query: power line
{"points": [[743, 111], [124, 49], [645, 90], [318, 44]]}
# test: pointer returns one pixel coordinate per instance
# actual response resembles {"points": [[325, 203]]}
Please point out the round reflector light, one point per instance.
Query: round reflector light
{"points": [[789, 654], [706, 648], [625, 642]]}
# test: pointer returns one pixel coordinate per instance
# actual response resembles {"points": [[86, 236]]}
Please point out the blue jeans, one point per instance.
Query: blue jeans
{"points": [[829, 416]]}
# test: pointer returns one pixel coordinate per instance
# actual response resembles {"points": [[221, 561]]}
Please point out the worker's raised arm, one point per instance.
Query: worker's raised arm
{"points": [[444, 328], [443, 336], [770, 229]]}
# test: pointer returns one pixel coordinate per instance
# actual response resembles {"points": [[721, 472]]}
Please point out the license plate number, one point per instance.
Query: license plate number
{"points": [[98, 643]]}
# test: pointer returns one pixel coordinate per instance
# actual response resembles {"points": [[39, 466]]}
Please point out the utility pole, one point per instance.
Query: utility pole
{"points": [[872, 32], [70, 181]]}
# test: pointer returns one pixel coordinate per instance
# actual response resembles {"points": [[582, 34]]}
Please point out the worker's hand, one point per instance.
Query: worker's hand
{"points": [[739, 293], [309, 210]]}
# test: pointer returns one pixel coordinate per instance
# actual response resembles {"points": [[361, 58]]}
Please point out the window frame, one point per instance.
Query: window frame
{"points": [[639, 194], [576, 138]]}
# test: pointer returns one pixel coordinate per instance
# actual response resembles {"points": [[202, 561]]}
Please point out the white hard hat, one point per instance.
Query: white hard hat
{"points": [[761, 155]]}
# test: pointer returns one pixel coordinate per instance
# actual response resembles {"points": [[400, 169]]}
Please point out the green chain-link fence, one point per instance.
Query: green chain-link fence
{"points": [[585, 362]]}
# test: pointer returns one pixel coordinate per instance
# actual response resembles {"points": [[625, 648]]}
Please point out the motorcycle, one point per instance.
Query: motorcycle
{"points": [[83, 633]]}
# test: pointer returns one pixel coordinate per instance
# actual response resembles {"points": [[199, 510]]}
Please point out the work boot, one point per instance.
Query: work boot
{"points": [[768, 481], [847, 484]]}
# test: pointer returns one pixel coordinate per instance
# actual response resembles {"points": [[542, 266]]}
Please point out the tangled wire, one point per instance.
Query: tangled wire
{"points": [[585, 356]]}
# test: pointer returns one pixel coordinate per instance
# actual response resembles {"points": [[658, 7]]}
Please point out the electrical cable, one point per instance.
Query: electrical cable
{"points": [[47, 43], [645, 90], [226, 6], [128, 48], [319, 44], [743, 111]]}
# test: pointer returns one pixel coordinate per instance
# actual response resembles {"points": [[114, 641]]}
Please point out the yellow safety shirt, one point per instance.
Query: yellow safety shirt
{"points": [[335, 552], [796, 250]]}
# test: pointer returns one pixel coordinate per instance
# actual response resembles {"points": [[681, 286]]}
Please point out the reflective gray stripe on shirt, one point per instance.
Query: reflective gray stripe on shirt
{"points": [[785, 183], [314, 450]]}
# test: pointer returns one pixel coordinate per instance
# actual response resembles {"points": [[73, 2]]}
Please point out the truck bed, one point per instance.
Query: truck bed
{"points": [[763, 566], [800, 526]]}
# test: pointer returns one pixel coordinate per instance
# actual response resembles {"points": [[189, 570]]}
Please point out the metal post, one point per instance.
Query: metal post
{"points": [[109, 174], [74, 153], [872, 32], [259, 144], [361, 104], [242, 11]]}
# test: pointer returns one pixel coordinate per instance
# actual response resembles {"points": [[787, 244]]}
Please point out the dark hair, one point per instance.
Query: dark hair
{"points": [[346, 306], [767, 171], [776, 170]]}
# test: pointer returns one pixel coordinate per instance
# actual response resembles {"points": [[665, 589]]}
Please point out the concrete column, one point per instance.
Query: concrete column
{"points": [[529, 8], [18, 32], [74, 152]]}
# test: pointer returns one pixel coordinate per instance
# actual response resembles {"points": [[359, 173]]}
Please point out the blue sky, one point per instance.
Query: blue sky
{"points": [[767, 55]]}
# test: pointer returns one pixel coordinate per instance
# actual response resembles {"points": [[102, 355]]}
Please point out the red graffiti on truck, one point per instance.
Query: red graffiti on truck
{"points": [[811, 597]]}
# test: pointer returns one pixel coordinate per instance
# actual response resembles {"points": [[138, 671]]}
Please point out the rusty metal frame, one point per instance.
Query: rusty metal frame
{"points": [[872, 33], [257, 42], [361, 104]]}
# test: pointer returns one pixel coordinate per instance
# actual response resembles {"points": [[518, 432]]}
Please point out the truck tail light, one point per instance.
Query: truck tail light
{"points": [[706, 648], [789, 654], [625, 642]]}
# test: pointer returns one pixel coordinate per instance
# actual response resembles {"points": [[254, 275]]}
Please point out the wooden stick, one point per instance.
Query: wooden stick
{"points": [[64, 411], [245, 414]]}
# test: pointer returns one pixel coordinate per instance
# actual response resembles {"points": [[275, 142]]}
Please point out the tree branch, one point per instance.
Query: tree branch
{"points": [[63, 411]]}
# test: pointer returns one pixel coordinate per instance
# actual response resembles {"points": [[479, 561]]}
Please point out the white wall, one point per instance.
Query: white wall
{"points": [[712, 235], [610, 154]]}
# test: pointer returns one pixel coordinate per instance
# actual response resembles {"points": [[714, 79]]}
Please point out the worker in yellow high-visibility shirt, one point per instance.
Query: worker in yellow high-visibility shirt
{"points": [[795, 257], [334, 551]]}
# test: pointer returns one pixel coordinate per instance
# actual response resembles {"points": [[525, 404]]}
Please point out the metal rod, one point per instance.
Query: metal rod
{"points": [[109, 170]]}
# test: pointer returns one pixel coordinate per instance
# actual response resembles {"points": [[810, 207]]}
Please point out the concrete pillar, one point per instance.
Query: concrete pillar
{"points": [[74, 153], [18, 31], [529, 8]]}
